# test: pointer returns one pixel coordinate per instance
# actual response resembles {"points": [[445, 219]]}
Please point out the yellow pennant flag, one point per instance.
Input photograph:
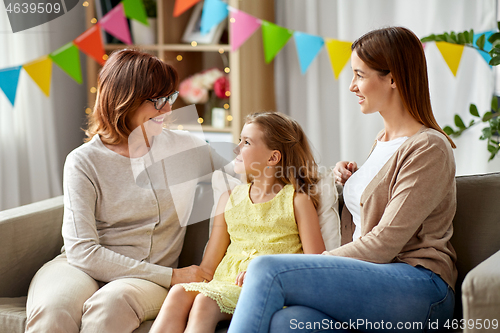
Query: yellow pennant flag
{"points": [[452, 54], [339, 52], [40, 71]]}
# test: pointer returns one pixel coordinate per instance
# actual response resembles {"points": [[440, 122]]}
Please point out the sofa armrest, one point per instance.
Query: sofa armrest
{"points": [[481, 294], [31, 236]]}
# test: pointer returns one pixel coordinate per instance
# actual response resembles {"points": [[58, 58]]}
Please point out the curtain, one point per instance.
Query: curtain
{"points": [[34, 133], [329, 112]]}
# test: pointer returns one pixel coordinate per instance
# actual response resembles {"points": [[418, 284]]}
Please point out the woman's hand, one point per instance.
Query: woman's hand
{"points": [[190, 274], [343, 171], [240, 278]]}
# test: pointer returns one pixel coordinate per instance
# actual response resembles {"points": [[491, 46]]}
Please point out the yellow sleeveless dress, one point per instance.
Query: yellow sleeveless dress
{"points": [[254, 230]]}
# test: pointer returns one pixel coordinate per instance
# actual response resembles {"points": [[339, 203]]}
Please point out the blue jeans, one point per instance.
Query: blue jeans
{"points": [[328, 293]]}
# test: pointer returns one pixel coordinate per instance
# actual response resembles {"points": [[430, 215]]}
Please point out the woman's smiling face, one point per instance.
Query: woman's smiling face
{"points": [[151, 118], [372, 89]]}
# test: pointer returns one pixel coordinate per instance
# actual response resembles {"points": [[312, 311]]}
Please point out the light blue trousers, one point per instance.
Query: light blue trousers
{"points": [[331, 294]]}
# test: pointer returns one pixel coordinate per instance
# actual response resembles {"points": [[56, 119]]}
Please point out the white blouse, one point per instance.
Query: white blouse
{"points": [[356, 184]]}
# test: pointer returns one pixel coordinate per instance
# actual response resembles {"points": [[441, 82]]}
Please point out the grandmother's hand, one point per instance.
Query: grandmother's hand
{"points": [[343, 171], [190, 274]]}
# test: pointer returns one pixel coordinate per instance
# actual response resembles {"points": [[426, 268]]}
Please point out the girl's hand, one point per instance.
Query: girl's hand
{"points": [[240, 278], [343, 171]]}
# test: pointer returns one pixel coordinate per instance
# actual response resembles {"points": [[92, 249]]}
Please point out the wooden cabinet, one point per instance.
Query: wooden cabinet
{"points": [[252, 81]]}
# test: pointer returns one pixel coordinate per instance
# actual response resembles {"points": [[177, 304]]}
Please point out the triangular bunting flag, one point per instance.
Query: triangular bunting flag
{"points": [[40, 71], [340, 53], [134, 9], [214, 11], [90, 42], [9, 78], [68, 58], [274, 39], [242, 27], [182, 5], [116, 24], [308, 47], [487, 45], [452, 54]]}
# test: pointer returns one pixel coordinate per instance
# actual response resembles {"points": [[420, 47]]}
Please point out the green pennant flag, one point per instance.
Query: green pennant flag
{"points": [[274, 39], [68, 58], [134, 9]]}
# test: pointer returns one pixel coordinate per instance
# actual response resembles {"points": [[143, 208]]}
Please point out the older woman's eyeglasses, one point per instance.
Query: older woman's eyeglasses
{"points": [[161, 101]]}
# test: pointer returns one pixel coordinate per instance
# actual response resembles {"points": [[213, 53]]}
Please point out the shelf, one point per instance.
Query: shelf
{"points": [[173, 47]]}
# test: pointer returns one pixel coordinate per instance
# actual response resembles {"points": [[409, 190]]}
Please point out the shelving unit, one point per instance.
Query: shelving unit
{"points": [[252, 81]]}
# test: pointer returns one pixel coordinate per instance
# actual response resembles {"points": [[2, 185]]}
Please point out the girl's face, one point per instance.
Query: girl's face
{"points": [[151, 118], [252, 152], [374, 91]]}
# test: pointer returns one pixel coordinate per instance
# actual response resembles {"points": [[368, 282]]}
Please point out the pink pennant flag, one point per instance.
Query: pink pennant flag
{"points": [[115, 23], [243, 26]]}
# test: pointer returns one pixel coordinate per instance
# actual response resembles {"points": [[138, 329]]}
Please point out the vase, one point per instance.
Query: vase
{"points": [[219, 117], [142, 34]]}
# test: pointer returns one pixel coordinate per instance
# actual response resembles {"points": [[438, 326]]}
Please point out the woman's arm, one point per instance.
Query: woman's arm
{"points": [[308, 224], [219, 239]]}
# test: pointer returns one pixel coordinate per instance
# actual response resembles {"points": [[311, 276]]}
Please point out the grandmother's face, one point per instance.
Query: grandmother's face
{"points": [[151, 118]]}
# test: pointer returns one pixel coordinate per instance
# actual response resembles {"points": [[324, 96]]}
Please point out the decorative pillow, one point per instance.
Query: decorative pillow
{"points": [[329, 220]]}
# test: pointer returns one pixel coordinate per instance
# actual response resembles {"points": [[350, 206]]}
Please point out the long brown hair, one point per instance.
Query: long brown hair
{"points": [[398, 50], [127, 79], [297, 165]]}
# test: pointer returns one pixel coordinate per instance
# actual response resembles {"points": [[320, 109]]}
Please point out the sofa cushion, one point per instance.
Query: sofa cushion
{"points": [[34, 237], [12, 314], [476, 225]]}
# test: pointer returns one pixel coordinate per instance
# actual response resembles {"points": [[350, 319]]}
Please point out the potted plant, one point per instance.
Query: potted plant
{"points": [[142, 34]]}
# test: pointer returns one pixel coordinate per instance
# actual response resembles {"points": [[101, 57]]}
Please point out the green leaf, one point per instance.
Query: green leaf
{"points": [[461, 38], [453, 36], [487, 116], [498, 24], [494, 104], [471, 36], [448, 130], [495, 50], [492, 156], [495, 61], [430, 38], [473, 110], [486, 133], [448, 38], [459, 122], [466, 36], [480, 42], [493, 148], [493, 38], [440, 38], [472, 122]]}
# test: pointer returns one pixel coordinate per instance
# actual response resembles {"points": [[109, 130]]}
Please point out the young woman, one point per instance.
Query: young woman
{"points": [[396, 270], [273, 214], [122, 239]]}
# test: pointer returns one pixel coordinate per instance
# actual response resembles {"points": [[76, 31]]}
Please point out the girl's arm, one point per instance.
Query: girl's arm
{"points": [[307, 220], [219, 239]]}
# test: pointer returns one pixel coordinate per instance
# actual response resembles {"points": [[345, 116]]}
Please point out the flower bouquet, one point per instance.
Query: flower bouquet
{"points": [[208, 87]]}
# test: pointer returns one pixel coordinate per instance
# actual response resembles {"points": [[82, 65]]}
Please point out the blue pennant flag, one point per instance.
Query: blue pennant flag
{"points": [[487, 45], [308, 47], [9, 77], [214, 11]]}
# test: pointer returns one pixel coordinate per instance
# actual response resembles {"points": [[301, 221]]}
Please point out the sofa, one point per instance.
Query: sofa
{"points": [[30, 236]]}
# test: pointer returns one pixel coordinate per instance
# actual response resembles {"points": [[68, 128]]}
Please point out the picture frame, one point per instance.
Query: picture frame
{"points": [[193, 32]]}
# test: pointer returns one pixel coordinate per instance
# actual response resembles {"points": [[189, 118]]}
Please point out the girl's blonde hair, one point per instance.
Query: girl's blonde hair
{"points": [[129, 77], [297, 163]]}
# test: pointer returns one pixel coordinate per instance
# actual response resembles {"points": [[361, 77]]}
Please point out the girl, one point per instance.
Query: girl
{"points": [[396, 265], [274, 213]]}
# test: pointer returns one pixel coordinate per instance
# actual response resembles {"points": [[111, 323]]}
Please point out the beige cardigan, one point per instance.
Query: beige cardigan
{"points": [[408, 208]]}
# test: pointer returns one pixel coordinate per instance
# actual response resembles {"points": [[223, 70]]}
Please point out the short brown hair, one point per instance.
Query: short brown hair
{"points": [[127, 79], [398, 50], [297, 163]]}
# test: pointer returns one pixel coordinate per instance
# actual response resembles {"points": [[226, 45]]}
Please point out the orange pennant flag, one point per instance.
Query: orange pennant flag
{"points": [[340, 53], [90, 42], [452, 54], [182, 5], [40, 71]]}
